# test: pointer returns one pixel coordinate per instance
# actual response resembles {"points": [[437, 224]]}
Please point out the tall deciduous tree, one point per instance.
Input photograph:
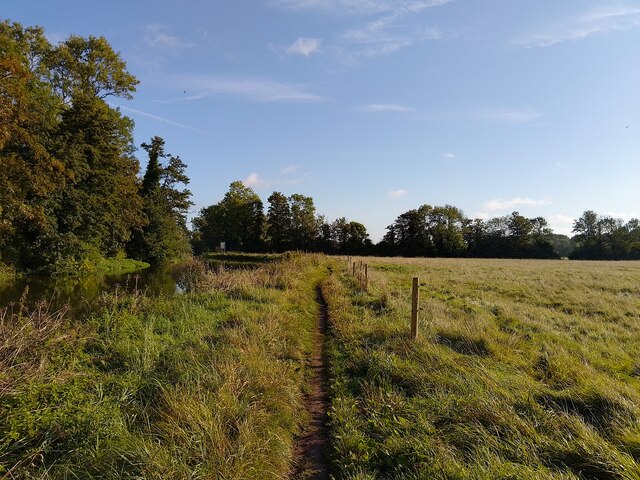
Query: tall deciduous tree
{"points": [[164, 237], [304, 227], [279, 222]]}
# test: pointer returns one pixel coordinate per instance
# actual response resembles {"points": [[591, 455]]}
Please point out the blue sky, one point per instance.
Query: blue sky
{"points": [[374, 107]]}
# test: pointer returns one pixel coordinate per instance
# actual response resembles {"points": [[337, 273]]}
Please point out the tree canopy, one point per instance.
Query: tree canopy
{"points": [[69, 186]]}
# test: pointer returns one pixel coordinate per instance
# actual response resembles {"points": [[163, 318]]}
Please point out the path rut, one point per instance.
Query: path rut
{"points": [[310, 447]]}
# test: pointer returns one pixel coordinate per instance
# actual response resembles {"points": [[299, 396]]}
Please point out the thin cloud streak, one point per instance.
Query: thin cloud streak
{"points": [[256, 90], [500, 116], [385, 107], [157, 36], [501, 204], [350, 7], [599, 21], [508, 116], [382, 37], [255, 180], [157, 118], [395, 194]]}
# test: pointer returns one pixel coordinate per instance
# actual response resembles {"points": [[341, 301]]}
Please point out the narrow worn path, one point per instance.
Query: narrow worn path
{"points": [[311, 463]]}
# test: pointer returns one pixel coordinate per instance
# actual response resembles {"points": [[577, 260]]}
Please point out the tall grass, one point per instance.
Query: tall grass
{"points": [[202, 385], [523, 370]]}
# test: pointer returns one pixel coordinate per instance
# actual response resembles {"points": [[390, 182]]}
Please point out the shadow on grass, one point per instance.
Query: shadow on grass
{"points": [[463, 344]]}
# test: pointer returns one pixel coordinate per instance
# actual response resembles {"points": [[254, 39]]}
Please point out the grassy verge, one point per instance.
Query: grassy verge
{"points": [[239, 260], [201, 385], [523, 370]]}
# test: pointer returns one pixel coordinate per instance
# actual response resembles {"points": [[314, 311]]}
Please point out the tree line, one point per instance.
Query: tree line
{"points": [[291, 223], [70, 191]]}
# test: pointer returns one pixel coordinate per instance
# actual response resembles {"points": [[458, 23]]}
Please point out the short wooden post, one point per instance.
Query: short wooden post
{"points": [[354, 269], [366, 275], [414, 308]]}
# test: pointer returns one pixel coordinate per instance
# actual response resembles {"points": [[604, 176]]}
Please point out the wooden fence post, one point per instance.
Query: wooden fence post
{"points": [[414, 308], [366, 275], [354, 269]]}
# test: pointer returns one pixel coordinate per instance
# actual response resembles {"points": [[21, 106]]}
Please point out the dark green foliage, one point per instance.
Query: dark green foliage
{"points": [[164, 238], [68, 182], [602, 238], [304, 227], [279, 223], [562, 244], [445, 232], [238, 220], [346, 237]]}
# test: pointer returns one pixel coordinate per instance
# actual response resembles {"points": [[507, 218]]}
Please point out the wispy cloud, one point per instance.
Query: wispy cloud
{"points": [[357, 7], [252, 89], [390, 30], [394, 194], [255, 180], [385, 107], [501, 204], [304, 46], [508, 116], [157, 118], [385, 35], [158, 36], [596, 22], [449, 156], [500, 116]]}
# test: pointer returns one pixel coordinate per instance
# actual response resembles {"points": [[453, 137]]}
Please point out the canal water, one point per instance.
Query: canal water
{"points": [[80, 293]]}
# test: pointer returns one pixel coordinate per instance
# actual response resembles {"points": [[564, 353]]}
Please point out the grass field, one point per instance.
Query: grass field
{"points": [[523, 370], [204, 385]]}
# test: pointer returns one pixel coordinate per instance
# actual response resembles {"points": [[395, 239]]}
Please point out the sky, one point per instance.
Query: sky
{"points": [[375, 107]]}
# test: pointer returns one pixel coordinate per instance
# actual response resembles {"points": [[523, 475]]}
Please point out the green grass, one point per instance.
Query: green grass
{"points": [[237, 260], [202, 385], [522, 370]]}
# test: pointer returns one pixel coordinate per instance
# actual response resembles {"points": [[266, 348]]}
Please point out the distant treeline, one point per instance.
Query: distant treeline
{"points": [[70, 191], [291, 223]]}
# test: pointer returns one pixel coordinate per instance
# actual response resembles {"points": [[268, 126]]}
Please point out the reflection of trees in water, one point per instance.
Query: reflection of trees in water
{"points": [[79, 293]]}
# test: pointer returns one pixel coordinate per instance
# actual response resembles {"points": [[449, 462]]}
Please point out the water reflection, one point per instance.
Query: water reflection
{"points": [[80, 293]]}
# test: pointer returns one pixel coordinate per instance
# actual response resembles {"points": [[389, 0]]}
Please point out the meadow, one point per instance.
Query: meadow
{"points": [[522, 370]]}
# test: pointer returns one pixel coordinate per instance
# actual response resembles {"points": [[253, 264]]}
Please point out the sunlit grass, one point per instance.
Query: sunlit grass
{"points": [[523, 369], [202, 385]]}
